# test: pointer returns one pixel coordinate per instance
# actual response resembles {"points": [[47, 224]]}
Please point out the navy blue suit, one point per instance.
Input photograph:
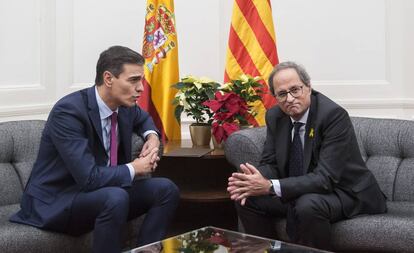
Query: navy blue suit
{"points": [[71, 175]]}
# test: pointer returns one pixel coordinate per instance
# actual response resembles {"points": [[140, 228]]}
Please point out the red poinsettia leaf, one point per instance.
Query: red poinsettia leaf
{"points": [[214, 105], [229, 128], [218, 131], [232, 104], [222, 116], [222, 97]]}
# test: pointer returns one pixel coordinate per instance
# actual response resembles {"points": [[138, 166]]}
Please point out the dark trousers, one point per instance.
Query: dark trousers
{"points": [[107, 210], [314, 214]]}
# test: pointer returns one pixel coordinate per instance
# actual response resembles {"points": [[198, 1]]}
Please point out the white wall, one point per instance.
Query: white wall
{"points": [[358, 52]]}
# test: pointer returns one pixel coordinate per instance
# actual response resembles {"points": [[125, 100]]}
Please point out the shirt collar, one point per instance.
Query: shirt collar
{"points": [[304, 118], [104, 110]]}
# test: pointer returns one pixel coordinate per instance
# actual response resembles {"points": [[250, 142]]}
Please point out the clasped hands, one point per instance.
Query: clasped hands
{"points": [[248, 182], [148, 159]]}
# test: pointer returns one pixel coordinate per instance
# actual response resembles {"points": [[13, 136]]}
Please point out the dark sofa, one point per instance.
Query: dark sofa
{"points": [[387, 146]]}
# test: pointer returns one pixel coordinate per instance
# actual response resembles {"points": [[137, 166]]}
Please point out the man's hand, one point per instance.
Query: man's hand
{"points": [[146, 164], [152, 142], [248, 183], [232, 187]]}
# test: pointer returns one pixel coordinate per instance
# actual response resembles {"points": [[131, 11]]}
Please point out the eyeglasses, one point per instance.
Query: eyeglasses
{"points": [[295, 91]]}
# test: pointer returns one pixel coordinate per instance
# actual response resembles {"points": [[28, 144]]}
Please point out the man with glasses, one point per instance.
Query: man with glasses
{"points": [[311, 171]]}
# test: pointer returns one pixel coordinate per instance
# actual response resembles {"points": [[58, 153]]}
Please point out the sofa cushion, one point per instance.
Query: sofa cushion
{"points": [[404, 188], [384, 168], [22, 238], [387, 146], [10, 186], [26, 141], [389, 232], [19, 146]]}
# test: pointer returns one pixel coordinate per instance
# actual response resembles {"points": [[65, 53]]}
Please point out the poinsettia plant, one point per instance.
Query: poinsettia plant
{"points": [[192, 92], [232, 106]]}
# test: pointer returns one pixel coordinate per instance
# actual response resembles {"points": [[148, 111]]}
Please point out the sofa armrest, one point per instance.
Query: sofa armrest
{"points": [[138, 143], [245, 146]]}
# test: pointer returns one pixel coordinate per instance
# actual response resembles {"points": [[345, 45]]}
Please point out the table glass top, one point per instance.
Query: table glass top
{"points": [[217, 240]]}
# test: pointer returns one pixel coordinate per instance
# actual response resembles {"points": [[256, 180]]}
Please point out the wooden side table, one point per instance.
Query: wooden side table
{"points": [[203, 183]]}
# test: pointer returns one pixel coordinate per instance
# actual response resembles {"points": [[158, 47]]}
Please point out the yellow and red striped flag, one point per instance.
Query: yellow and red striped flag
{"points": [[161, 66], [252, 47]]}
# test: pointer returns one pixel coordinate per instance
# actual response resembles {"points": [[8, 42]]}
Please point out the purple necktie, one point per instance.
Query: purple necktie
{"points": [[114, 140]]}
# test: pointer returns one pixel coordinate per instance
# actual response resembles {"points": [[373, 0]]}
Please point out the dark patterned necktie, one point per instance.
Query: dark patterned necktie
{"points": [[295, 169]]}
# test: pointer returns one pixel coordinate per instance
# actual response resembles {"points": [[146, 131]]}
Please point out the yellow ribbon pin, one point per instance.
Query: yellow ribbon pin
{"points": [[311, 133]]}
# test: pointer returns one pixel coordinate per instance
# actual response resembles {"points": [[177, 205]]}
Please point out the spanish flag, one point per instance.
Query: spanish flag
{"points": [[252, 47], [161, 66]]}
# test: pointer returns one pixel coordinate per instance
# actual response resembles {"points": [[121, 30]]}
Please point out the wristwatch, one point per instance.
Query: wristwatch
{"points": [[271, 188]]}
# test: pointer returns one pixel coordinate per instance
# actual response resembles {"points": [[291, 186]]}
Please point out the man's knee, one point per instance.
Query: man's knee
{"points": [[116, 199], [310, 206], [167, 190], [255, 221]]}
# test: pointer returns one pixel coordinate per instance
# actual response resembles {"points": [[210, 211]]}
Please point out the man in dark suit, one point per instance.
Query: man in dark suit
{"points": [[311, 168], [83, 177]]}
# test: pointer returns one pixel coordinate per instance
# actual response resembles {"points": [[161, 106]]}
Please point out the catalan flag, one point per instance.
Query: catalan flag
{"points": [[161, 66], [252, 47]]}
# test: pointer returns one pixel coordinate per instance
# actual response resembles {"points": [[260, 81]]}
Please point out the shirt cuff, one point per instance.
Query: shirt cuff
{"points": [[131, 170], [146, 133], [276, 187]]}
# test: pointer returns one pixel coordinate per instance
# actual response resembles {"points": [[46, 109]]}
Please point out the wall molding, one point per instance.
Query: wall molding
{"points": [[25, 110], [20, 87], [402, 103], [78, 86], [347, 83]]}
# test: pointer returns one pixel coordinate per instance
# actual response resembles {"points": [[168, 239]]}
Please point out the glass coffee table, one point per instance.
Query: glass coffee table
{"points": [[217, 240]]}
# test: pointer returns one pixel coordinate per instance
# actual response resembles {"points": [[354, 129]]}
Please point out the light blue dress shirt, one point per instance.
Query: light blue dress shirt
{"points": [[105, 114]]}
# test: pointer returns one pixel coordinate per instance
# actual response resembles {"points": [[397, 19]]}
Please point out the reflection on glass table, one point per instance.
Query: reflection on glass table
{"points": [[217, 240]]}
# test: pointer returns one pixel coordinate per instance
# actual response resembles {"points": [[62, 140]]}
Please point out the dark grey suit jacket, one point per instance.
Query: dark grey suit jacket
{"points": [[332, 160]]}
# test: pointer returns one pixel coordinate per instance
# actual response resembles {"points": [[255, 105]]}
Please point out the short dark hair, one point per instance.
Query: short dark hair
{"points": [[113, 60], [303, 75]]}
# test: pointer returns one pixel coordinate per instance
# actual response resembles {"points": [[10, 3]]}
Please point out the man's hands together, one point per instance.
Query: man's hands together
{"points": [[152, 142], [248, 183], [148, 158]]}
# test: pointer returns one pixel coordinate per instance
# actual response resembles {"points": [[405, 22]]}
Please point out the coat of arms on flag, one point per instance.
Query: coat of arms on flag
{"points": [[158, 29], [161, 66]]}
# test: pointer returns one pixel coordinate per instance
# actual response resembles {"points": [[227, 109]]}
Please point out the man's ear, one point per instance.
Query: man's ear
{"points": [[310, 88], [107, 78]]}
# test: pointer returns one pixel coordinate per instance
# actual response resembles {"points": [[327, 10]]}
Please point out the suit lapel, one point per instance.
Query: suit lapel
{"points": [[94, 113], [309, 135], [283, 141]]}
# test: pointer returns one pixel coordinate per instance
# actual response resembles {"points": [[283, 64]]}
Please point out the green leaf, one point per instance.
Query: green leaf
{"points": [[177, 113], [176, 101], [210, 94], [179, 85]]}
